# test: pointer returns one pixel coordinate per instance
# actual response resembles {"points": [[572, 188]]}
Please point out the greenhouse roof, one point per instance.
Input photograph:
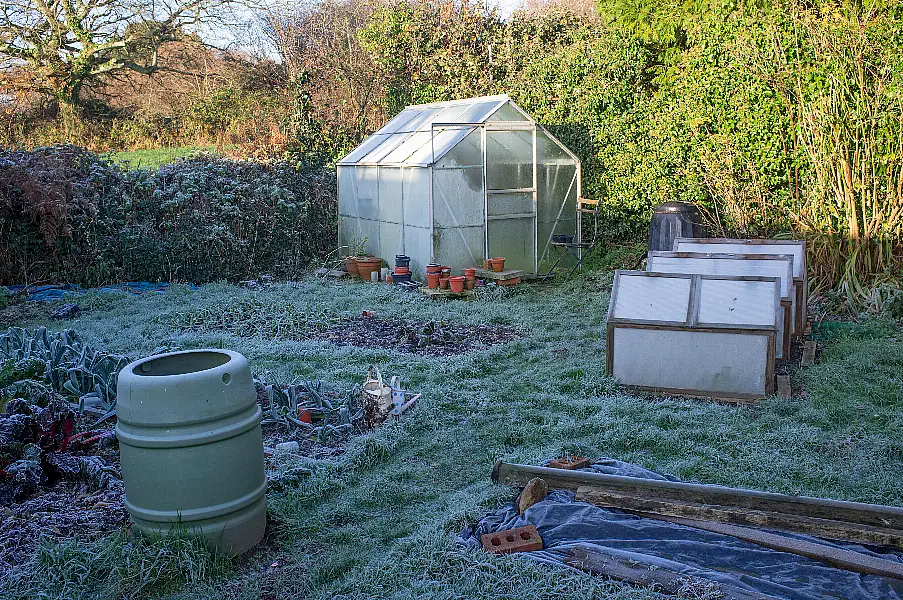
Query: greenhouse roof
{"points": [[410, 139]]}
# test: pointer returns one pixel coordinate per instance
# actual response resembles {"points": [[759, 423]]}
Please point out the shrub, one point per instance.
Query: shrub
{"points": [[69, 215]]}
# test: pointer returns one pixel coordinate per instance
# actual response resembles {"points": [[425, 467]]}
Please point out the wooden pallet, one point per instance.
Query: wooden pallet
{"points": [[446, 294], [501, 276]]}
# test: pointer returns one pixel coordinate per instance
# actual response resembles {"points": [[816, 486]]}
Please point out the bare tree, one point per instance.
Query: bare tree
{"points": [[57, 47], [317, 41]]}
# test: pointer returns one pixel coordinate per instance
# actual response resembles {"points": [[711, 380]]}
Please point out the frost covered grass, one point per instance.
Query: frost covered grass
{"points": [[378, 521]]}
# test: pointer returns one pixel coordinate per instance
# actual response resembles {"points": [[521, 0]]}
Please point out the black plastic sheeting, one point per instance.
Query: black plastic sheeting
{"points": [[564, 523]]}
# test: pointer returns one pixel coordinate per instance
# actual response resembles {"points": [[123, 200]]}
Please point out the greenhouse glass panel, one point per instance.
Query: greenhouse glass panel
{"points": [[365, 188], [458, 198], [509, 158], [390, 237], [390, 194], [514, 203], [401, 153], [459, 246], [361, 151], [347, 195], [416, 193], [398, 123], [468, 152], [513, 239], [378, 153]]}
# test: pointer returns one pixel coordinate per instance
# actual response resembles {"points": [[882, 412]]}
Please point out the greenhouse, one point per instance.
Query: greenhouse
{"points": [[457, 182]]}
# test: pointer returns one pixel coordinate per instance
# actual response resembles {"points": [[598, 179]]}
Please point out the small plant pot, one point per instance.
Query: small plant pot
{"points": [[433, 268], [351, 266], [402, 260], [456, 283], [469, 283], [399, 279], [402, 270], [432, 281], [366, 266], [443, 283], [470, 273], [487, 264], [498, 264]]}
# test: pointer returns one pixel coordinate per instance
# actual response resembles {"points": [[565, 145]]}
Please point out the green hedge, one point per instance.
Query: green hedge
{"points": [[69, 215]]}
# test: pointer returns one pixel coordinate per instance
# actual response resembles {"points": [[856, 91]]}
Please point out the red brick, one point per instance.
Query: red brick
{"points": [[570, 462], [520, 539]]}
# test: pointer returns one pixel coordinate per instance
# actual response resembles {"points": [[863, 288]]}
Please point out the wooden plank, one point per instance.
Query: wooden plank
{"points": [[506, 274], [836, 557], [664, 581], [784, 390], [824, 508], [808, 358], [825, 528]]}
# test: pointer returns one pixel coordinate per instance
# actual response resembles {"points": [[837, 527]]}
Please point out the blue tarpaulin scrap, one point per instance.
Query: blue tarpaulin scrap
{"points": [[47, 293], [565, 523]]}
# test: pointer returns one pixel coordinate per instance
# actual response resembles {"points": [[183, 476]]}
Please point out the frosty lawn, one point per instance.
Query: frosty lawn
{"points": [[378, 521]]}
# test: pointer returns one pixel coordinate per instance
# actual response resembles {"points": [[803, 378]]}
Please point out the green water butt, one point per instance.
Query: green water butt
{"points": [[191, 447]]}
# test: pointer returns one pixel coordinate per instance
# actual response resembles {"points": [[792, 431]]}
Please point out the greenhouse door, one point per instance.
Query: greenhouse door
{"points": [[510, 176]]}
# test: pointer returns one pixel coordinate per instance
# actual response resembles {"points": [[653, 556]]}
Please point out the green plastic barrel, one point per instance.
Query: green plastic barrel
{"points": [[191, 447]]}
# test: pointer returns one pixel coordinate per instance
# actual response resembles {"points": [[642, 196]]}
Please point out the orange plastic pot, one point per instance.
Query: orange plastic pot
{"points": [[432, 280], [443, 283], [365, 266], [456, 283], [351, 266], [402, 270], [498, 264]]}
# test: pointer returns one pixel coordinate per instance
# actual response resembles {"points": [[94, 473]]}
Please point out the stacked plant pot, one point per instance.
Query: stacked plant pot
{"points": [[470, 278], [433, 273], [402, 272], [444, 277]]}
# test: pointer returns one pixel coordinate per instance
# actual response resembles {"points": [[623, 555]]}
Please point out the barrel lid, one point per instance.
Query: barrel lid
{"points": [[676, 206]]}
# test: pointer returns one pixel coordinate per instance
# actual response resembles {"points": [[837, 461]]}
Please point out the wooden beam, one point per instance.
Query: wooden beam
{"points": [[837, 557], [823, 508], [664, 581], [825, 528]]}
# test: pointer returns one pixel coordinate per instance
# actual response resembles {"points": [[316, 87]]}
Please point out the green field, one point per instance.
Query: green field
{"points": [[378, 521], [155, 158]]}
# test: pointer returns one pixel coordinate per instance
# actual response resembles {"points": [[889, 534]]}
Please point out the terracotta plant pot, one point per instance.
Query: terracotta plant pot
{"points": [[469, 283], [443, 283], [367, 265], [487, 264], [470, 273], [432, 281], [456, 283], [402, 270], [351, 266], [433, 268], [498, 264]]}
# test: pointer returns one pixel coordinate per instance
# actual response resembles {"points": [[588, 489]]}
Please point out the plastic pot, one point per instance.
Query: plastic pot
{"points": [[351, 266], [498, 264], [402, 270], [399, 278], [443, 283], [432, 281], [433, 268], [456, 283], [367, 265], [402, 260]]}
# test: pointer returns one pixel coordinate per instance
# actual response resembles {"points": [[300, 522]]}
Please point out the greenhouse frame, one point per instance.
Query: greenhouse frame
{"points": [[458, 182]]}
